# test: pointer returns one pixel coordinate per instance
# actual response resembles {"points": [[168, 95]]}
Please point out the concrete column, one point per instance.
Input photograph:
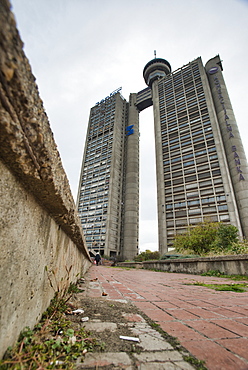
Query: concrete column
{"points": [[233, 146], [131, 185], [162, 235]]}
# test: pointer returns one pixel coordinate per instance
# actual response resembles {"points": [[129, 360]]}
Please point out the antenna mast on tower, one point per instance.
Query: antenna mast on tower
{"points": [[155, 54]]}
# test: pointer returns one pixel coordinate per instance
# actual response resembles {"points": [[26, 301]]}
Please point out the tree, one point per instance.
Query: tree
{"points": [[205, 237], [226, 236]]}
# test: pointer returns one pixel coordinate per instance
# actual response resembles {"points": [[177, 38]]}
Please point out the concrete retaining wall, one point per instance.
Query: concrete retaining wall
{"points": [[228, 265], [42, 244]]}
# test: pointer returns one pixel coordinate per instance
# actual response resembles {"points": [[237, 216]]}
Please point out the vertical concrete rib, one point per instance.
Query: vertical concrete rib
{"points": [[155, 69], [162, 234], [234, 150], [131, 193]]}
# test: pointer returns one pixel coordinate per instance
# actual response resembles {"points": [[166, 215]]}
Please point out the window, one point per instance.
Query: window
{"points": [[191, 186], [209, 210], [192, 195], [179, 205], [190, 178], [222, 207], [180, 213], [195, 220], [208, 200], [194, 211], [185, 164], [194, 202], [203, 175], [224, 217], [221, 198], [178, 181]]}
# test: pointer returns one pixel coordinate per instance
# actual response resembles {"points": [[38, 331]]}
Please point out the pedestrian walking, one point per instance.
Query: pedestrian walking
{"points": [[97, 258]]}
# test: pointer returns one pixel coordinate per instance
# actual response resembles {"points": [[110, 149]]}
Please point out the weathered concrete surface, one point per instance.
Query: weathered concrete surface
{"points": [[229, 265], [42, 243]]}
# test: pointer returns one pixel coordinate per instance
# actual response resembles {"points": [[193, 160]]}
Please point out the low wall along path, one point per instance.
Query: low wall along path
{"points": [[40, 233]]}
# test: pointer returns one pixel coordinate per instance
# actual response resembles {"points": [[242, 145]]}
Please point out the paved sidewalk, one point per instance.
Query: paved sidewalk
{"points": [[212, 325]]}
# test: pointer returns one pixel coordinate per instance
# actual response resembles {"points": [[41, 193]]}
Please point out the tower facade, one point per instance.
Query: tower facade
{"points": [[108, 195], [201, 167], [200, 162]]}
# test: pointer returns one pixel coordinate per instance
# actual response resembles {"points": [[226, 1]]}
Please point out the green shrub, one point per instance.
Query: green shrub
{"points": [[239, 248], [226, 236], [207, 238], [147, 255], [198, 239]]}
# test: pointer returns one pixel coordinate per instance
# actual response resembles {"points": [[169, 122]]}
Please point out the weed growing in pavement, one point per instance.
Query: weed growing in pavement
{"points": [[199, 364], [73, 289], [238, 288], [53, 343], [220, 274]]}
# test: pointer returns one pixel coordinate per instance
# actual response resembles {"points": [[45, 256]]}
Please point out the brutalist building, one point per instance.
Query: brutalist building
{"points": [[201, 167]]}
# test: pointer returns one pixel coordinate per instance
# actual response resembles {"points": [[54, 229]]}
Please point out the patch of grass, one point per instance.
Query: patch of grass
{"points": [[73, 289], [238, 288], [220, 274], [123, 267], [199, 364]]}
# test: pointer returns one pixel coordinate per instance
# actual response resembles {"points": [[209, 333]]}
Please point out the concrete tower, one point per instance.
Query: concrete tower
{"points": [[131, 183], [108, 195], [200, 162], [201, 167], [155, 69]]}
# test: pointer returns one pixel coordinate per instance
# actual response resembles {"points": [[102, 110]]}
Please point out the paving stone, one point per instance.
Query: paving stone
{"points": [[133, 317], [238, 345], [184, 365], [232, 325], [141, 328], [211, 330], [158, 315], [216, 357], [179, 330], [182, 314], [226, 312], [157, 356], [165, 305], [203, 313], [165, 366], [242, 320], [151, 343], [157, 366], [100, 326], [96, 360], [145, 305]]}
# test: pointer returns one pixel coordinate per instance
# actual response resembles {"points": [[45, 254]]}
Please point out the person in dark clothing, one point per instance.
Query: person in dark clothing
{"points": [[97, 258]]}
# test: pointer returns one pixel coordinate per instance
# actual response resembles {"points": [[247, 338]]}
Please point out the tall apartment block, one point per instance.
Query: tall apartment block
{"points": [[201, 167], [108, 196]]}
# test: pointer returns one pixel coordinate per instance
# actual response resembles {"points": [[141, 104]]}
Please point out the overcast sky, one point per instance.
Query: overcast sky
{"points": [[82, 50]]}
